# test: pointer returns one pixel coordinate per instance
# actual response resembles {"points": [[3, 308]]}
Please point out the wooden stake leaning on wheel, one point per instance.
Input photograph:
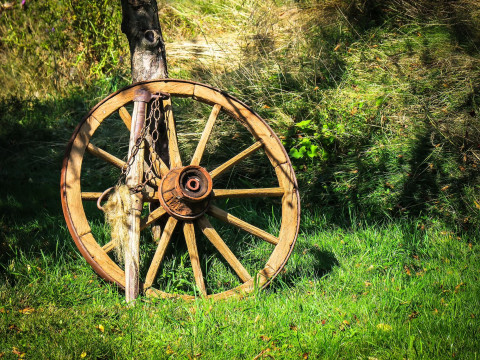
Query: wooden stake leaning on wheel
{"points": [[136, 150], [187, 195]]}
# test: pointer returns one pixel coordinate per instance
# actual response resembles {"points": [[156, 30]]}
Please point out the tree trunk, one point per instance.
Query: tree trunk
{"points": [[147, 50], [148, 62]]}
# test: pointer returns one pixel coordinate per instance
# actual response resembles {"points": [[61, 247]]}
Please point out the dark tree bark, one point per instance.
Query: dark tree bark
{"points": [[147, 49]]}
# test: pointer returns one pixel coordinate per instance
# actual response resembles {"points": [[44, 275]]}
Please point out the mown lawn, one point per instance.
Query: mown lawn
{"points": [[367, 291]]}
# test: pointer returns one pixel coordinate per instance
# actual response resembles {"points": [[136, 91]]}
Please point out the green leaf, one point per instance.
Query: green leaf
{"points": [[379, 101], [306, 142], [297, 154], [303, 124], [313, 152]]}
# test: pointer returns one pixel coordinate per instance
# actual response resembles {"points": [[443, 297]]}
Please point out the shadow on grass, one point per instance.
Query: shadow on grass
{"points": [[33, 138], [313, 265]]}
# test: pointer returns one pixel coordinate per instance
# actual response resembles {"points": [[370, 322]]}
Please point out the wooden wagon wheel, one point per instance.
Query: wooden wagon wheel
{"points": [[192, 186]]}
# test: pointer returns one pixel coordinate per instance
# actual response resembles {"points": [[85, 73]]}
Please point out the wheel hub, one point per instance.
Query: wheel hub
{"points": [[185, 192]]}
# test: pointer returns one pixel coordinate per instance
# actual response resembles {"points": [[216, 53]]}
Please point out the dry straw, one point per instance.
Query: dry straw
{"points": [[117, 209]]}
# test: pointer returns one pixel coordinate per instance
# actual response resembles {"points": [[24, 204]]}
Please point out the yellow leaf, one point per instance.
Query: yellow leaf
{"points": [[100, 328], [27, 310], [18, 352], [265, 338], [384, 327], [169, 350], [457, 288], [337, 47], [83, 354]]}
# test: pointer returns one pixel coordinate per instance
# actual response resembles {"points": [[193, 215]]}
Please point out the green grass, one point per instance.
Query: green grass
{"points": [[391, 291], [384, 102]]}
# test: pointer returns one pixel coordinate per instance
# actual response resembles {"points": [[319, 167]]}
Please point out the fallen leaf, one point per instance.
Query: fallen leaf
{"points": [[368, 283], [18, 352], [169, 350], [265, 338], [100, 328], [457, 288], [305, 356], [407, 270], [384, 327], [8, 5], [83, 354], [337, 47], [413, 315], [293, 327], [445, 187], [14, 327], [27, 310]]}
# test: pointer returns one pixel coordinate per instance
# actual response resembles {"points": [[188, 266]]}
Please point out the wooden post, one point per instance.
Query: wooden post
{"points": [[148, 62], [136, 148]]}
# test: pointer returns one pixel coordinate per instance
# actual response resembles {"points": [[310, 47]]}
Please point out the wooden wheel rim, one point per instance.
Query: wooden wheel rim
{"points": [[71, 194]]}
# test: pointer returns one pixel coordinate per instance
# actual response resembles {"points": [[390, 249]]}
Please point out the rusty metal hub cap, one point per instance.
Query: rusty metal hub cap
{"points": [[185, 192]]}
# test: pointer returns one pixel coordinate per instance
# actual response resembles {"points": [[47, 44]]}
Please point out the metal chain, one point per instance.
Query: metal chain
{"points": [[149, 134]]}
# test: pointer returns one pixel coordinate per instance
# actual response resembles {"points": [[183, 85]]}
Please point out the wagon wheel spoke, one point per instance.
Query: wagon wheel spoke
{"points": [[189, 232], [197, 156], [102, 154], [236, 159], [91, 195], [126, 117], [223, 249], [230, 219], [154, 215], [173, 151], [160, 252], [246, 193]]}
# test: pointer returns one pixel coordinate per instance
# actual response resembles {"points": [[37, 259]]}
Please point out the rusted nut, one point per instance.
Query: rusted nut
{"points": [[185, 193], [193, 184]]}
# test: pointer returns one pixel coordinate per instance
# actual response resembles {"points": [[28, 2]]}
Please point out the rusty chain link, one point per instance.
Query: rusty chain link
{"points": [[150, 135]]}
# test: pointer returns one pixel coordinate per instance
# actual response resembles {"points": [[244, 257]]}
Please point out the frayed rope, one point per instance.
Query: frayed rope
{"points": [[117, 208]]}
